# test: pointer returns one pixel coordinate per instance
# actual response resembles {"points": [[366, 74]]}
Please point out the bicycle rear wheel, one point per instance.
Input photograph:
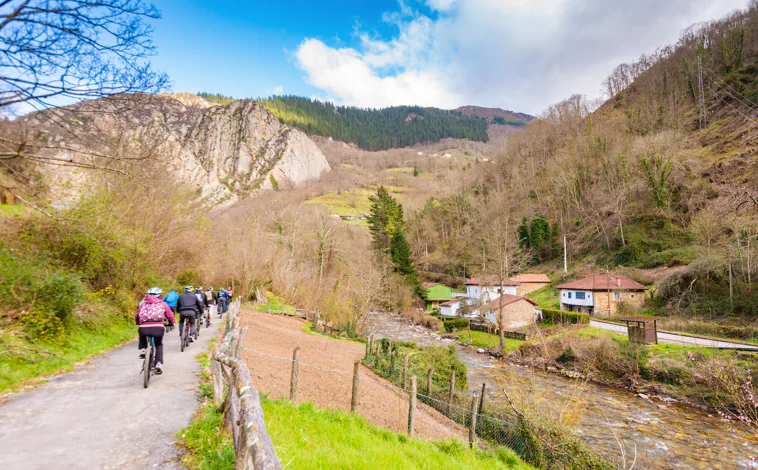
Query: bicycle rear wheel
{"points": [[148, 365], [185, 335]]}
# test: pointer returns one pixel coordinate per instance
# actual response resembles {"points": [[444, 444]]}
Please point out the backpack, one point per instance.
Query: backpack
{"points": [[151, 313]]}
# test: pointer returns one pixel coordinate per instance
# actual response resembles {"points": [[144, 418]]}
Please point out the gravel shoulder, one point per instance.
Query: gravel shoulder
{"points": [[100, 417], [325, 376]]}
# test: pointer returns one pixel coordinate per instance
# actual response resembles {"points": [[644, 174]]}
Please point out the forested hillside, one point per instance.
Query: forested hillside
{"points": [[639, 183], [375, 129]]}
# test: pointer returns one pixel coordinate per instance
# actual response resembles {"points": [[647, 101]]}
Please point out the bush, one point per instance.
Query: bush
{"points": [[563, 317], [454, 324]]}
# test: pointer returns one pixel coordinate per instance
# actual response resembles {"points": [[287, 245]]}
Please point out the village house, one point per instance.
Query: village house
{"points": [[518, 311], [455, 308], [528, 283], [601, 294], [436, 293], [484, 289]]}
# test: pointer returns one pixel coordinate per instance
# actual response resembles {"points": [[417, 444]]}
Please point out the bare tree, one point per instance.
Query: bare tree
{"points": [[75, 49]]}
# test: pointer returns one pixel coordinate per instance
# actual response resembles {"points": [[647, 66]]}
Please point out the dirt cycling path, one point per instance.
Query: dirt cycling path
{"points": [[100, 416]]}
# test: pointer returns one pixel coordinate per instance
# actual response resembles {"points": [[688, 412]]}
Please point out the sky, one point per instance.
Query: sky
{"points": [[522, 55]]}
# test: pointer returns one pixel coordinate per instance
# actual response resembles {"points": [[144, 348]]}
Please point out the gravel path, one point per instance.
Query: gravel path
{"points": [[325, 376], [682, 340], [100, 416]]}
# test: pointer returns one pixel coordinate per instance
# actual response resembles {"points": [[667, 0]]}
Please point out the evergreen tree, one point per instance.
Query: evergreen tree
{"points": [[385, 219], [523, 234], [400, 253]]}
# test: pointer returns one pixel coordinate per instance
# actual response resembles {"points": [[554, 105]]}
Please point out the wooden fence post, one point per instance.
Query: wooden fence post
{"points": [[412, 407], [392, 364], [356, 382], [451, 394], [405, 372], [316, 317], [240, 342], [429, 374], [218, 382], [472, 427], [481, 397], [293, 380]]}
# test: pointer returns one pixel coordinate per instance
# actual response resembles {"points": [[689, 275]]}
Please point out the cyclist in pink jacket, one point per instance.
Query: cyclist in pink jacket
{"points": [[150, 314]]}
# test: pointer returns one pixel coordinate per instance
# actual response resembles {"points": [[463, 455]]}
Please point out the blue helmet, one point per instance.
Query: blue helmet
{"points": [[154, 291]]}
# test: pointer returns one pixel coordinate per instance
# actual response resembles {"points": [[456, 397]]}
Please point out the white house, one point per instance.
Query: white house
{"points": [[452, 308], [487, 288], [517, 311]]}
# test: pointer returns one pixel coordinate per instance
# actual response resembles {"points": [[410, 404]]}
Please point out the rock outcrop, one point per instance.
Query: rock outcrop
{"points": [[222, 152]]}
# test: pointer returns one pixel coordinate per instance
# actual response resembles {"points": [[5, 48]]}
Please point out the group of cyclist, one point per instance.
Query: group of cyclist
{"points": [[155, 313]]}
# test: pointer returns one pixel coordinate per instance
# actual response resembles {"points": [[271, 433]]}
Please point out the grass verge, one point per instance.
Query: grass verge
{"points": [[307, 328], [81, 343], [307, 437], [479, 340]]}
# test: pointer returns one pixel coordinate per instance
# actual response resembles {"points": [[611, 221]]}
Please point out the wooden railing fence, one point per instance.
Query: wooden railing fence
{"points": [[233, 386]]}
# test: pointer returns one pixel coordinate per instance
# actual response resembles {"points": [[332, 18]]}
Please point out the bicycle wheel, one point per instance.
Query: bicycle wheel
{"points": [[185, 335], [148, 365]]}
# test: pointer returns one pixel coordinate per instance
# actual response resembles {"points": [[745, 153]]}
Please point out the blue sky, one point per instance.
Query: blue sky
{"points": [[522, 55]]}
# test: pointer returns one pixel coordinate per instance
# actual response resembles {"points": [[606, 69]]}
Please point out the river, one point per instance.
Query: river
{"points": [[665, 435]]}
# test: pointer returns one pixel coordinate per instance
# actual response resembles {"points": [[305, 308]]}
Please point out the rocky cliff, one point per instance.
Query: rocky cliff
{"points": [[221, 152]]}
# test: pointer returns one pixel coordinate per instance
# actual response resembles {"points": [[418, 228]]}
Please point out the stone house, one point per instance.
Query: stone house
{"points": [[518, 311], [528, 283], [601, 294]]}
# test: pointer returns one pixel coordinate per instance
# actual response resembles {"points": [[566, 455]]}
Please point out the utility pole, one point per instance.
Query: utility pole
{"points": [[731, 290], [565, 256], [701, 93]]}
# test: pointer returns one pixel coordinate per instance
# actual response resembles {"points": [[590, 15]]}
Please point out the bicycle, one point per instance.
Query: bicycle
{"points": [[184, 340], [148, 365], [208, 319]]}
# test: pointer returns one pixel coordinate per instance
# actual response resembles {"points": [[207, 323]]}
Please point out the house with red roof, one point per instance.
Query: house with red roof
{"points": [[528, 283], [601, 294], [518, 311], [484, 289]]}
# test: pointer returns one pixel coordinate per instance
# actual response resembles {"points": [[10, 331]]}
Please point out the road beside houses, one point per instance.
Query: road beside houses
{"points": [[679, 339]]}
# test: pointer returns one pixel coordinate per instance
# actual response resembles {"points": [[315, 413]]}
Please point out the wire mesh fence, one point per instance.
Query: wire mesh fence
{"points": [[387, 397]]}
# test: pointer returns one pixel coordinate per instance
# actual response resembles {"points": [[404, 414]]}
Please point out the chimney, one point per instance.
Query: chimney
{"points": [[517, 278], [618, 281]]}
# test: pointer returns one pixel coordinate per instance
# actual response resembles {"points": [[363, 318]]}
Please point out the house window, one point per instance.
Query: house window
{"points": [[632, 295], [580, 296], [569, 295], [616, 295]]}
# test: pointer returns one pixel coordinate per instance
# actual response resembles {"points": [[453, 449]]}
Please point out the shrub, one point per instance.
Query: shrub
{"points": [[564, 318], [454, 324], [567, 355], [186, 278]]}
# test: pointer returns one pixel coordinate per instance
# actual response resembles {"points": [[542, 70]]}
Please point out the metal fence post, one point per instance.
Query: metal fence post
{"points": [[293, 380], [412, 407], [356, 382]]}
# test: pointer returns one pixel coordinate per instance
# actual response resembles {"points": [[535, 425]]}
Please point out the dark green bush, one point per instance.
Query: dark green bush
{"points": [[563, 317], [454, 324], [567, 355]]}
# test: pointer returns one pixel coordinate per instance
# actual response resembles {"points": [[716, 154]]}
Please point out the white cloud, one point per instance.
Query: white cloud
{"points": [[279, 90], [518, 54]]}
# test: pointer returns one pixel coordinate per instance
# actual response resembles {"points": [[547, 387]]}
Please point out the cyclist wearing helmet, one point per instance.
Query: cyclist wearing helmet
{"points": [[203, 298], [188, 306], [211, 296], [221, 308], [150, 315]]}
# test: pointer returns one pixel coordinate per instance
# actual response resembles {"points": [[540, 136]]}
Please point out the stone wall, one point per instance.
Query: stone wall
{"points": [[635, 299]]}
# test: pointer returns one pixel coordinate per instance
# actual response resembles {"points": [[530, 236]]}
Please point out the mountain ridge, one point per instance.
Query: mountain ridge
{"points": [[222, 152]]}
